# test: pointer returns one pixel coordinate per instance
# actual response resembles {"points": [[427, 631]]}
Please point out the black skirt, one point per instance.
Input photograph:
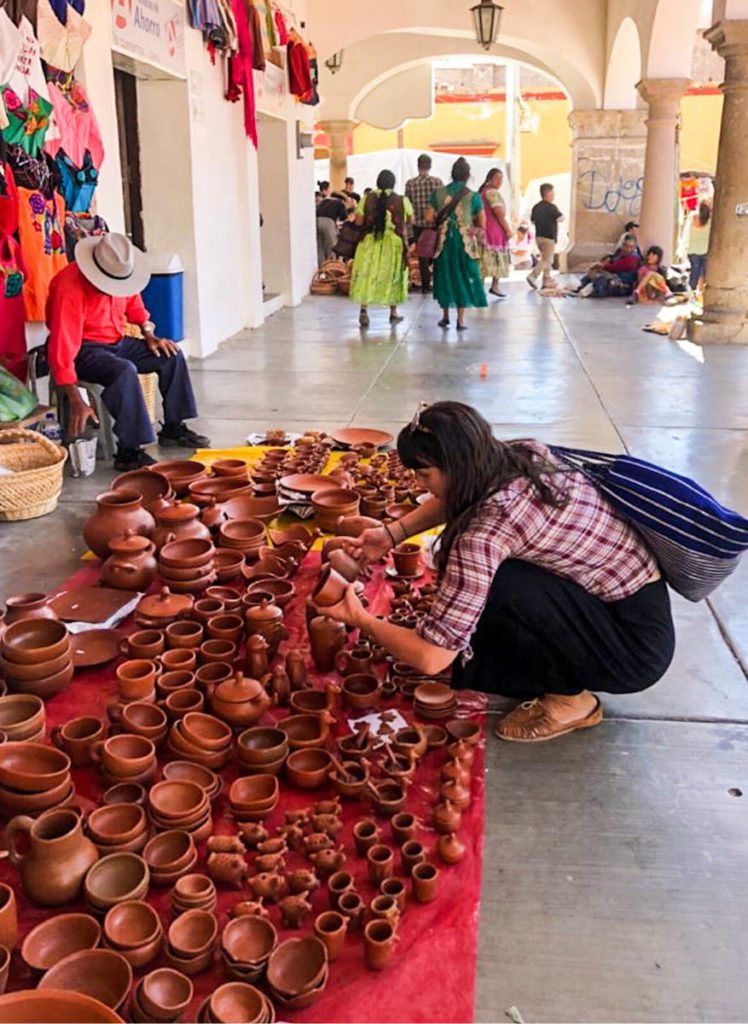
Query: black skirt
{"points": [[540, 633]]}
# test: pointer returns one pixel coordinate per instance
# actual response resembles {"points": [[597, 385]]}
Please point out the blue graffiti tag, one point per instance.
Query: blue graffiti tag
{"points": [[597, 194]]}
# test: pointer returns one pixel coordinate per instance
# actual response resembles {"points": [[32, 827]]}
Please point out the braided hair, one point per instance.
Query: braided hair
{"points": [[385, 182]]}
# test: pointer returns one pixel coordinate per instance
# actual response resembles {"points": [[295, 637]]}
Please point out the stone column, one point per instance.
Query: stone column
{"points": [[339, 133], [659, 217], [726, 295], [606, 180]]}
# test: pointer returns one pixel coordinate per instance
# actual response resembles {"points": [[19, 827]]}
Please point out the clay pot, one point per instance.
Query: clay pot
{"points": [[261, 746], [464, 729], [154, 488], [330, 589], [358, 661], [327, 638], [385, 908], [212, 651], [266, 620], [308, 769], [456, 793], [8, 917], [450, 848], [331, 927], [144, 645], [58, 858], [404, 827], [410, 741], [406, 558], [351, 906], [345, 565], [184, 634], [131, 925], [361, 691], [412, 853], [230, 467], [238, 701], [125, 755], [181, 702], [296, 966], [337, 884], [57, 937], [165, 994], [227, 626], [366, 833], [116, 513], [136, 679], [425, 880], [131, 565], [380, 863], [379, 944], [394, 887], [175, 680], [206, 732], [388, 797], [77, 738], [180, 521], [144, 719], [178, 659], [305, 731], [27, 606], [446, 817], [22, 717]]}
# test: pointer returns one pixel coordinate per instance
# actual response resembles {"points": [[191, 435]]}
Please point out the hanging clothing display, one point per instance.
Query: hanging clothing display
{"points": [[81, 225], [299, 69], [258, 43], [241, 77], [61, 44], [35, 173], [8, 200], [77, 184], [12, 319], [10, 48], [28, 123], [280, 25], [27, 73], [78, 129], [40, 229], [311, 99]]}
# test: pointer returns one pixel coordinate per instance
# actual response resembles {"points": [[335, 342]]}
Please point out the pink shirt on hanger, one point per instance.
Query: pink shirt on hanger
{"points": [[77, 126]]}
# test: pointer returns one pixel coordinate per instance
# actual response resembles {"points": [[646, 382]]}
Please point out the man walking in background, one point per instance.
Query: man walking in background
{"points": [[419, 190], [545, 217]]}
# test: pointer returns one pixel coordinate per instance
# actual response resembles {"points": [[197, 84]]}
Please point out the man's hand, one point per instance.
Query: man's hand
{"points": [[160, 346], [80, 412]]}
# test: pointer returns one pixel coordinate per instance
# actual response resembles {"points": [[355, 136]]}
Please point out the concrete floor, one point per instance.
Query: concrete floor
{"points": [[615, 860]]}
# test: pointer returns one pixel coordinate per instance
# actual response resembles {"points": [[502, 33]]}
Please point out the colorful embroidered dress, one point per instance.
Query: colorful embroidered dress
{"points": [[380, 273], [457, 277], [495, 255]]}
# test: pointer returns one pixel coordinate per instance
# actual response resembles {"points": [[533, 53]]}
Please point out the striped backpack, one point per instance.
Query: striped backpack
{"points": [[697, 541]]}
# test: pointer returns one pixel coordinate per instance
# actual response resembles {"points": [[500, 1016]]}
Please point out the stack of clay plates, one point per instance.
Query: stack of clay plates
{"points": [[434, 700], [295, 492]]}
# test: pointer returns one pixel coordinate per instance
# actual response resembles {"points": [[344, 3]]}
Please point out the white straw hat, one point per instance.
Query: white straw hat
{"points": [[113, 264]]}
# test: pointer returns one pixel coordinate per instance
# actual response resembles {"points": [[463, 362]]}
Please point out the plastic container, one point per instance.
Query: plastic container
{"points": [[51, 428], [164, 295]]}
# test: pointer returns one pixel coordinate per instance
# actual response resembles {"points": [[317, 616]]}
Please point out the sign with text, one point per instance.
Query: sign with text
{"points": [[150, 31]]}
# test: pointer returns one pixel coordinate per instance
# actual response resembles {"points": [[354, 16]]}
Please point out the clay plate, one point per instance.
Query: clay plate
{"points": [[393, 574], [89, 604], [95, 647], [305, 483], [351, 436]]}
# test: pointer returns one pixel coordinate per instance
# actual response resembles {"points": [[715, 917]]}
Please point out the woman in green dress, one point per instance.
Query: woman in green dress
{"points": [[380, 267], [458, 212]]}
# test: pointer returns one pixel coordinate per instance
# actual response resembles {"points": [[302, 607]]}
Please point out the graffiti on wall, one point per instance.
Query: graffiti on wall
{"points": [[599, 192]]}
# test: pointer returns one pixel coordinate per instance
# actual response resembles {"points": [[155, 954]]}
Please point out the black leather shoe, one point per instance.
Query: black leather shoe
{"points": [[180, 436], [126, 459]]}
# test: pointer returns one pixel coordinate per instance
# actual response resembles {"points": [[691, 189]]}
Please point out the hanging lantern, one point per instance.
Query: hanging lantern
{"points": [[334, 63], [486, 20]]}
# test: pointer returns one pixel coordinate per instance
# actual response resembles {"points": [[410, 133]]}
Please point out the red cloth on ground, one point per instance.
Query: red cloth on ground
{"points": [[77, 311], [432, 975]]}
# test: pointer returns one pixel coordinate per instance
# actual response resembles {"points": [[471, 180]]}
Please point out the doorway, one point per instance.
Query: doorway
{"points": [[126, 93], [275, 231]]}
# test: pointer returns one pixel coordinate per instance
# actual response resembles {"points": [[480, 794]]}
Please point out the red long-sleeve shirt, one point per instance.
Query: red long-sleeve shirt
{"points": [[78, 312], [623, 265]]}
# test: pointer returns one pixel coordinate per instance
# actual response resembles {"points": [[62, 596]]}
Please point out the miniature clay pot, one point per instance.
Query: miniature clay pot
{"points": [[136, 679], [412, 853], [132, 563], [115, 824], [366, 833], [446, 817], [181, 702], [450, 848], [144, 719], [308, 769], [361, 691], [331, 927], [154, 488], [125, 755], [385, 908], [456, 793], [404, 827], [327, 638], [179, 659], [388, 797], [116, 513], [380, 863], [144, 645], [27, 606], [464, 729], [345, 565], [351, 906], [58, 858], [358, 661], [406, 558], [296, 966], [394, 887], [379, 944], [425, 879], [239, 701], [77, 738], [184, 634], [338, 883], [165, 994]]}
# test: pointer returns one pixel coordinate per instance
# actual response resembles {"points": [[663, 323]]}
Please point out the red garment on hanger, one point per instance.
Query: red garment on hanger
{"points": [[299, 68], [258, 44], [12, 317], [280, 25], [241, 75], [8, 202]]}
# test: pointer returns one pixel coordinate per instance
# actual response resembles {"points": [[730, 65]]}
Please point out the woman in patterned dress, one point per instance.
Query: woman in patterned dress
{"points": [[494, 261]]}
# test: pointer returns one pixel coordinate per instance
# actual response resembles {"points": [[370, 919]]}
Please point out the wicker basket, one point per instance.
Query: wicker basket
{"points": [[323, 285], [34, 486]]}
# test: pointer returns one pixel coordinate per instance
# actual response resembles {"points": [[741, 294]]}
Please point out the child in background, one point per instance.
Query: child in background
{"points": [[652, 284]]}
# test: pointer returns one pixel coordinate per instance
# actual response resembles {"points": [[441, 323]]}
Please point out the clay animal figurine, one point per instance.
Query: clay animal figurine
{"points": [[296, 670], [315, 842], [270, 862], [257, 657], [328, 823], [328, 861], [227, 868], [328, 807], [298, 817], [303, 880], [278, 685], [293, 835], [294, 909], [252, 834], [276, 845], [249, 908], [266, 886], [225, 844]]}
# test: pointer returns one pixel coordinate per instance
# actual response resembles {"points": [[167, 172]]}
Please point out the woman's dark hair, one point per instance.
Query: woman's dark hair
{"points": [[461, 170], [323, 185], [656, 250], [491, 173], [456, 439], [705, 211], [385, 181]]}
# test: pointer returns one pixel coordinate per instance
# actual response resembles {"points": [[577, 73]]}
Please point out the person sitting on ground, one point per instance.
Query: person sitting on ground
{"points": [[631, 228], [520, 248], [89, 302], [652, 283], [613, 277]]}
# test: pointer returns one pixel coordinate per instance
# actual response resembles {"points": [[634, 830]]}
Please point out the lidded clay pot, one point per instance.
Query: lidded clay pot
{"points": [[180, 521], [132, 563], [450, 848], [266, 620], [116, 512], [327, 639], [240, 701], [446, 818]]}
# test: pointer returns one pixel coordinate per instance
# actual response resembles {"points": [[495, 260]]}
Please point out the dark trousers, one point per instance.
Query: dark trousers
{"points": [[541, 633], [425, 266], [698, 269], [116, 368]]}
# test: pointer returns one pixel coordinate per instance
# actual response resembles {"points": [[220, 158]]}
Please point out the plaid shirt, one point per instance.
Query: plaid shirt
{"points": [[419, 190], [585, 541]]}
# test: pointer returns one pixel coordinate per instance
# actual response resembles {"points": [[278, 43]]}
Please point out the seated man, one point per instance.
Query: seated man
{"points": [[617, 276], [89, 302]]}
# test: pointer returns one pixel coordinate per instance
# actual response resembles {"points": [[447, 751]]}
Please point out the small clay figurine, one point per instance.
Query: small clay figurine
{"points": [[276, 845], [225, 844], [315, 842], [292, 834], [257, 656], [328, 807], [303, 880], [266, 886], [298, 817], [327, 861], [227, 868], [296, 670], [249, 908], [270, 862], [294, 909], [252, 834], [328, 823], [278, 685]]}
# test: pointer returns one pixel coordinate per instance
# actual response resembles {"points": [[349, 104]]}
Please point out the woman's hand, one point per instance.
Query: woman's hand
{"points": [[349, 610], [372, 544]]}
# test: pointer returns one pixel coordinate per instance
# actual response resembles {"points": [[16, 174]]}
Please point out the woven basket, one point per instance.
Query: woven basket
{"points": [[149, 387], [335, 268], [34, 486], [323, 285]]}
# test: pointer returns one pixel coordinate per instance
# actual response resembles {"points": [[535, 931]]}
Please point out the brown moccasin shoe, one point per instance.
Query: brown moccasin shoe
{"points": [[529, 722]]}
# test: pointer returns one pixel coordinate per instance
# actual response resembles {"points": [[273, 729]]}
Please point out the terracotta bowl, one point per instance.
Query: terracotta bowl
{"points": [[116, 878], [178, 659], [48, 686], [228, 563], [229, 467], [125, 793], [192, 933], [153, 487], [21, 715], [249, 939], [237, 1000], [217, 650], [212, 673], [165, 994], [100, 973], [308, 702], [186, 771], [246, 507], [206, 731], [282, 590], [464, 729], [144, 719], [29, 1006], [261, 745], [57, 937], [179, 578], [126, 754], [34, 641], [116, 823], [308, 768], [219, 488], [304, 731], [131, 924], [297, 965], [184, 633], [180, 702], [175, 799], [175, 679], [334, 498], [194, 888], [15, 802], [144, 644], [186, 554], [255, 791], [32, 767], [361, 690], [257, 594], [40, 670], [168, 851]]}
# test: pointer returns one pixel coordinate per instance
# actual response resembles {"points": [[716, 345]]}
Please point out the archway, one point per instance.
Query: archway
{"points": [[624, 68]]}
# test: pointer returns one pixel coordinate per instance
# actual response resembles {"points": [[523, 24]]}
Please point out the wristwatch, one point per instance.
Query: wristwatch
{"points": [[148, 327]]}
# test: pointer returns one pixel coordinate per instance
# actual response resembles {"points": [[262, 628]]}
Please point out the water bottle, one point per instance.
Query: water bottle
{"points": [[51, 428]]}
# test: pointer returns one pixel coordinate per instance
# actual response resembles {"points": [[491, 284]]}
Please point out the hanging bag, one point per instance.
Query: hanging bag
{"points": [[697, 541], [429, 237]]}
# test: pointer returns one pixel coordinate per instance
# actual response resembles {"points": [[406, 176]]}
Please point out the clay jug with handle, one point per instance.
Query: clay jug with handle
{"points": [[58, 857]]}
